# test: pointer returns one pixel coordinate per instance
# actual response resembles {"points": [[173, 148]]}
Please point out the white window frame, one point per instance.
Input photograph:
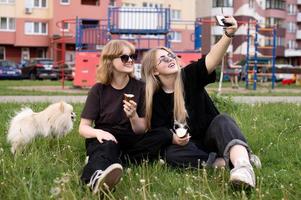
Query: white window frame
{"points": [[3, 49], [7, 1], [8, 24], [29, 28], [40, 4], [175, 14], [65, 3], [175, 36]]}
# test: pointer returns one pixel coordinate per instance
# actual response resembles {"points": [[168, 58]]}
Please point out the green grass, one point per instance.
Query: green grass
{"points": [[7, 87], [262, 89], [50, 168]]}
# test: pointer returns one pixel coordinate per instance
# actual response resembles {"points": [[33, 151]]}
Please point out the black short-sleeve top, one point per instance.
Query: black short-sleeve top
{"points": [[104, 105], [199, 105]]}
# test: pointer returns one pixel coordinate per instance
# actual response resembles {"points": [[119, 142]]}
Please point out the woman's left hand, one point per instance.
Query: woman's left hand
{"points": [[231, 29], [130, 108]]}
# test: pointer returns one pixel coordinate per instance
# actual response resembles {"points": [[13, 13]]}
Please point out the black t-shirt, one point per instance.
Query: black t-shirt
{"points": [[104, 105], [199, 105]]}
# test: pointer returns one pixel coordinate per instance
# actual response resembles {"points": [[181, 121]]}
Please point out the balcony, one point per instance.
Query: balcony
{"points": [[298, 35], [299, 17]]}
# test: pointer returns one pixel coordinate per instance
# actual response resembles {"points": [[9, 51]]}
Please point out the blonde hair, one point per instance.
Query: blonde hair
{"points": [[153, 83], [111, 50]]}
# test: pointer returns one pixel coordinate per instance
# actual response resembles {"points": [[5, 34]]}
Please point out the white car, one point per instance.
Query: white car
{"points": [[280, 77]]}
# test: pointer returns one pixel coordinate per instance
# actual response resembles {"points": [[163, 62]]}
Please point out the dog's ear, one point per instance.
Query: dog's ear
{"points": [[62, 107]]}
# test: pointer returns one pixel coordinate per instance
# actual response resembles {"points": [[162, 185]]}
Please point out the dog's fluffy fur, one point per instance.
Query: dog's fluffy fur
{"points": [[56, 120]]}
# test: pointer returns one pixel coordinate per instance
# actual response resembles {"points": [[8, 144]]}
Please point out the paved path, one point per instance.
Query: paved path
{"points": [[81, 99]]}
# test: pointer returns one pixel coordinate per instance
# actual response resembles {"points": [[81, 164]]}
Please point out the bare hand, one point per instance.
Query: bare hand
{"points": [[130, 108], [104, 135], [231, 29], [180, 141]]}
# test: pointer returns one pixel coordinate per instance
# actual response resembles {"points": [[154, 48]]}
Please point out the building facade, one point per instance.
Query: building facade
{"points": [[36, 28], [42, 28], [281, 14]]}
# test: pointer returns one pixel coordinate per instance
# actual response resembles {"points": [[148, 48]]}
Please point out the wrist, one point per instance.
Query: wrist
{"points": [[229, 35]]}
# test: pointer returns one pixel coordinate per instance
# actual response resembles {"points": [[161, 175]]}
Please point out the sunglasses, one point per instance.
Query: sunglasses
{"points": [[125, 58], [168, 58]]}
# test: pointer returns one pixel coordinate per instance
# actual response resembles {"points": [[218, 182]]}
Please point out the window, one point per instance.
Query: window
{"points": [[65, 27], [40, 3], [112, 3], [175, 36], [291, 27], [128, 4], [251, 3], [36, 28], [152, 5], [2, 53], [175, 14], [7, 24], [41, 53], [291, 9], [222, 3], [90, 2], [65, 2], [273, 21], [275, 4], [7, 1]]}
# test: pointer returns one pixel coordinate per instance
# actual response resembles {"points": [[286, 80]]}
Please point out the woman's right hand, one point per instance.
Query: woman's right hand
{"points": [[102, 135], [180, 141]]}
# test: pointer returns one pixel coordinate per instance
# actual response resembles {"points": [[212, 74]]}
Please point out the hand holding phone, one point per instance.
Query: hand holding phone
{"points": [[222, 22]]}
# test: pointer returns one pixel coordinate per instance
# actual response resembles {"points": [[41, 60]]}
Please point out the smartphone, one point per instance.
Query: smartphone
{"points": [[221, 21]]}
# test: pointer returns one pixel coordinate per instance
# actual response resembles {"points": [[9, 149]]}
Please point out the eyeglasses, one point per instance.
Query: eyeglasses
{"points": [[168, 58], [125, 58]]}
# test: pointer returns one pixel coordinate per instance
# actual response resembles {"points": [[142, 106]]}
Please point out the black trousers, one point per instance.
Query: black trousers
{"points": [[221, 135], [134, 147]]}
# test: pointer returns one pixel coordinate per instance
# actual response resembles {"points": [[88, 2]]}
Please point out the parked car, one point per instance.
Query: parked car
{"points": [[40, 68], [280, 77], [65, 69], [9, 70]]}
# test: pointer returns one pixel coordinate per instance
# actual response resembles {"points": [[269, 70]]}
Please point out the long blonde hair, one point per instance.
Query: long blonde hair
{"points": [[153, 83], [111, 50]]}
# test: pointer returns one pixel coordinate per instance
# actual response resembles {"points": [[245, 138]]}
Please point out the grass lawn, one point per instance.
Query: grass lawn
{"points": [[16, 87], [12, 87], [264, 89], [50, 168]]}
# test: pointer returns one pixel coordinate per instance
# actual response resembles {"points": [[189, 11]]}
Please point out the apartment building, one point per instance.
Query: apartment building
{"points": [[182, 15], [37, 28], [268, 13]]}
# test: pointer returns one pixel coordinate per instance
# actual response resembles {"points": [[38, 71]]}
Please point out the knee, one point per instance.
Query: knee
{"points": [[162, 134]]}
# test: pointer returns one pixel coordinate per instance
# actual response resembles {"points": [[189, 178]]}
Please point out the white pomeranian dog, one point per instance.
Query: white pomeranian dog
{"points": [[56, 120]]}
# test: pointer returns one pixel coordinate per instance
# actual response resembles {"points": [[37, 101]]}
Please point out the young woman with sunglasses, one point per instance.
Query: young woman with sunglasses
{"points": [[179, 94], [113, 126]]}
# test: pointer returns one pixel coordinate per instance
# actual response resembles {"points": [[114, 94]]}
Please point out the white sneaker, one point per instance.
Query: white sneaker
{"points": [[243, 175], [107, 179], [255, 161]]}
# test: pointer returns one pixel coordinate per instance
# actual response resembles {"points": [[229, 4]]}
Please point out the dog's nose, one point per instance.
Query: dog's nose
{"points": [[73, 116]]}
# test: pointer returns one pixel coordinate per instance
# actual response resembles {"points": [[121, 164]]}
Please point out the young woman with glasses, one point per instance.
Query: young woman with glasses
{"points": [[114, 127], [175, 94]]}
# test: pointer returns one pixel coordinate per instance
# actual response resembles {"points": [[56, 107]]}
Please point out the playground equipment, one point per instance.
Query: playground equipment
{"points": [[59, 43], [253, 67], [144, 27]]}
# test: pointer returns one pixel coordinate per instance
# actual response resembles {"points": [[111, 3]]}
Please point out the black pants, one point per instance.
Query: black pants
{"points": [[221, 135], [134, 147]]}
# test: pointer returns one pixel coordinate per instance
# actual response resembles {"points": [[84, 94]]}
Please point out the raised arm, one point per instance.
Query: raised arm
{"points": [[217, 52]]}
